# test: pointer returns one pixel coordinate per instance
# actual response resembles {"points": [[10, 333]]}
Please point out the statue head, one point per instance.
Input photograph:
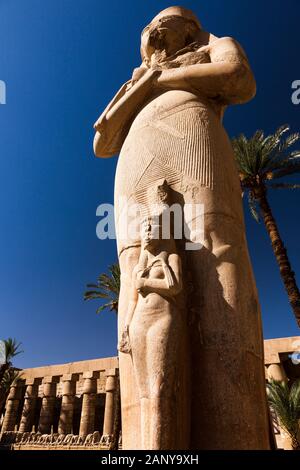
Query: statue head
{"points": [[178, 11], [170, 31], [155, 226], [158, 195], [150, 231]]}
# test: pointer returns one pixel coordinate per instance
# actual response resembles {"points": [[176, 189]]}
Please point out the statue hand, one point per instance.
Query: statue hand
{"points": [[124, 345], [137, 74], [140, 284]]}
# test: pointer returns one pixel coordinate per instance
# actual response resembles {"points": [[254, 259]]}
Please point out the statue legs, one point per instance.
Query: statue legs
{"points": [[157, 339], [229, 407]]}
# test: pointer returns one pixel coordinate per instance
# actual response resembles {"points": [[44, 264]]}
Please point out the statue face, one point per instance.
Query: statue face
{"points": [[167, 35], [150, 233]]}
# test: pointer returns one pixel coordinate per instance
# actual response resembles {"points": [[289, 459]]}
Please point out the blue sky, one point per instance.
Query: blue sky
{"points": [[62, 60]]}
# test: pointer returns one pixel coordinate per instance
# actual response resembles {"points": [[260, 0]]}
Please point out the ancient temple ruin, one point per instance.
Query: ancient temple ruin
{"points": [[72, 406], [62, 405]]}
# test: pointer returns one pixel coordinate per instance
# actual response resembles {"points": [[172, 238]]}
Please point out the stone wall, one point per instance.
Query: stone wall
{"points": [[62, 405], [71, 406]]}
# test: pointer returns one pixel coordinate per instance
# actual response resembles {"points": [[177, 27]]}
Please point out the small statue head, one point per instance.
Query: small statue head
{"points": [[156, 225], [159, 194], [150, 231], [170, 31]]}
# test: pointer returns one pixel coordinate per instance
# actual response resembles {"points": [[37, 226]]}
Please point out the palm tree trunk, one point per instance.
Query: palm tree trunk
{"points": [[117, 419], [3, 369], [287, 274], [3, 398]]}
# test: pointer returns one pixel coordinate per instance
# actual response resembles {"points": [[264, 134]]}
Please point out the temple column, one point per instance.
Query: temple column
{"points": [[48, 403], [87, 421], [277, 372], [110, 388], [65, 424], [12, 406], [29, 406]]}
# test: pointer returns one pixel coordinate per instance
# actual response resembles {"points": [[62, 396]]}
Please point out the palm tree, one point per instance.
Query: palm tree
{"points": [[108, 288], [10, 376], [285, 401], [12, 349], [262, 161]]}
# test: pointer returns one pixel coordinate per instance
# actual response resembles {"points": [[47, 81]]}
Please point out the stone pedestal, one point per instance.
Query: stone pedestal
{"points": [[29, 406], [48, 403], [87, 421], [67, 405], [109, 412], [12, 406]]}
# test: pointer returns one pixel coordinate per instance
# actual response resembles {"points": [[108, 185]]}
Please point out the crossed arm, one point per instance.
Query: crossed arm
{"points": [[227, 79], [150, 285], [162, 286]]}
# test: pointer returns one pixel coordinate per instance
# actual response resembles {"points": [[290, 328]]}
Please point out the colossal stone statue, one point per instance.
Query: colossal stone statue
{"points": [[190, 337]]}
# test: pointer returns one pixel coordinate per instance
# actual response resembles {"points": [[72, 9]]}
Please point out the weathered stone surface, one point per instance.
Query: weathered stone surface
{"points": [[166, 122], [87, 421], [274, 347], [12, 406], [48, 403], [29, 406], [65, 424], [78, 367], [279, 351], [110, 388]]}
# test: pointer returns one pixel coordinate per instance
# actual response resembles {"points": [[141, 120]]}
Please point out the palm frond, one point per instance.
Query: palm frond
{"points": [[10, 376], [94, 294], [107, 287], [108, 306], [12, 349], [285, 402], [262, 159], [287, 170], [295, 399], [252, 207], [282, 130]]}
